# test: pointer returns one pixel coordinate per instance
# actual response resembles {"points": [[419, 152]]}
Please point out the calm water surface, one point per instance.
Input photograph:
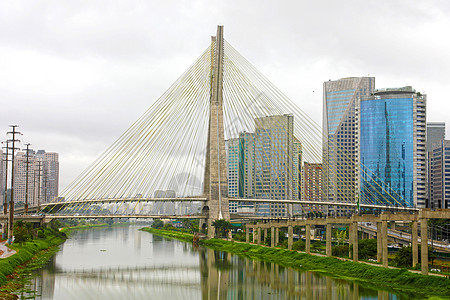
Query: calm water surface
{"points": [[124, 263]]}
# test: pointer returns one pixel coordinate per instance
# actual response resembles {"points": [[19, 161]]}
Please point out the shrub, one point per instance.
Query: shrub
{"points": [[340, 250], [299, 245], [157, 224], [367, 248]]}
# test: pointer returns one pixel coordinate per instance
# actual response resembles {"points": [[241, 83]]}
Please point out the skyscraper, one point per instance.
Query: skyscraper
{"points": [[439, 192], [43, 177], [240, 163], [392, 147], [21, 177], [340, 136], [274, 163], [246, 165], [50, 180], [435, 134], [2, 176], [232, 151]]}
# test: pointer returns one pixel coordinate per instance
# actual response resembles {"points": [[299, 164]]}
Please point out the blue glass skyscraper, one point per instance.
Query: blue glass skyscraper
{"points": [[392, 147]]}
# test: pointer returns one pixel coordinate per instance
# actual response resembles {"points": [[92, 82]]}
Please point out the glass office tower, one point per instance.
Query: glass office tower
{"points": [[340, 137], [392, 147]]}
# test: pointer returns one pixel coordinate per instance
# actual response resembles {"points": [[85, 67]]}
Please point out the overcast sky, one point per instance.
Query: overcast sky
{"points": [[74, 75]]}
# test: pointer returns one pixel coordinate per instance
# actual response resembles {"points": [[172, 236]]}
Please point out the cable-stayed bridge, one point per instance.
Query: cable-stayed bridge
{"points": [[181, 148]]}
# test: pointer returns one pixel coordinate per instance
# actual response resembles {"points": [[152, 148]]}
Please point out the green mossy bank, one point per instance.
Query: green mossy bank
{"points": [[395, 279], [26, 251]]}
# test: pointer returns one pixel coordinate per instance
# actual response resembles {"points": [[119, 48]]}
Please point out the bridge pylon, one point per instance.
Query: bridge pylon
{"points": [[215, 186]]}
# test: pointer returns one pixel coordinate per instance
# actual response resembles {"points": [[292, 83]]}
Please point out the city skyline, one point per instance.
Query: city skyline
{"points": [[66, 81]]}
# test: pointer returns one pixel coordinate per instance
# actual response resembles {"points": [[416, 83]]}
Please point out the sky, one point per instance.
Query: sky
{"points": [[74, 75]]}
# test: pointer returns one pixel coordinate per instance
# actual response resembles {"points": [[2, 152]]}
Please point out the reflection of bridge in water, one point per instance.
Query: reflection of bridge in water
{"points": [[218, 275]]}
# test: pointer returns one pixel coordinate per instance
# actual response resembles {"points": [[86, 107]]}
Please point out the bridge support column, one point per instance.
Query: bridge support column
{"points": [[328, 239], [277, 236], [355, 240], [259, 236], [308, 238], [414, 244], [384, 241], [265, 234], [290, 237], [393, 225], [379, 243], [4, 229], [272, 237], [254, 235], [247, 235], [424, 246]]}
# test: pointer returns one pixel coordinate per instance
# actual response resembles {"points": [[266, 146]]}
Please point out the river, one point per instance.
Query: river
{"points": [[125, 263]]}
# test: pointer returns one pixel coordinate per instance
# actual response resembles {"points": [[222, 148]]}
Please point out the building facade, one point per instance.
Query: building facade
{"points": [[313, 190], [435, 135], [2, 177], [265, 165], [340, 137], [392, 147], [50, 174], [232, 151], [439, 192], [274, 163], [41, 177]]}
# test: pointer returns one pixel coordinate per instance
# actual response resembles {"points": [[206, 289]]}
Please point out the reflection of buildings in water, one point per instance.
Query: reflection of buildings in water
{"points": [[137, 241], [229, 277], [44, 283], [214, 274], [162, 248]]}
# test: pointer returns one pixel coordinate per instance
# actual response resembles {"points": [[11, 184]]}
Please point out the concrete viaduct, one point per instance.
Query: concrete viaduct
{"points": [[382, 232]]}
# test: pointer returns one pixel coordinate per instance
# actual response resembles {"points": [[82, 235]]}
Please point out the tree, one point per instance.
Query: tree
{"points": [[340, 236], [339, 250], [367, 248], [157, 224], [222, 227], [22, 231], [403, 258]]}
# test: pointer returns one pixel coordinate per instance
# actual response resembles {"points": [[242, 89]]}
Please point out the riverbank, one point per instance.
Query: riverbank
{"points": [[15, 269], [67, 230], [395, 279]]}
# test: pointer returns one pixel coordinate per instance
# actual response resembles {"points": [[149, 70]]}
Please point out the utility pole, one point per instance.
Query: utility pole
{"points": [[5, 202], [34, 186], [45, 185], [39, 186], [11, 202], [26, 182]]}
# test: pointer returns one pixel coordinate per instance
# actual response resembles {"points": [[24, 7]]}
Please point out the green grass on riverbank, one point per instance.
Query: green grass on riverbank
{"points": [[396, 279], [186, 237], [28, 251]]}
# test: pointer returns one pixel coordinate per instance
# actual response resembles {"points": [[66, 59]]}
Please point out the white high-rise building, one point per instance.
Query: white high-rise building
{"points": [[43, 177]]}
